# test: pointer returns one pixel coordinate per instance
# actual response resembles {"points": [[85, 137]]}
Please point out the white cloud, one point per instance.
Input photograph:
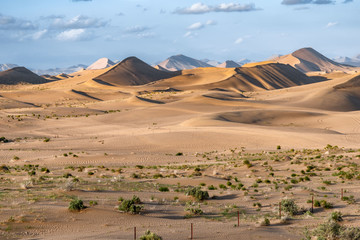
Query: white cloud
{"points": [[38, 35], [239, 40], [136, 29], [12, 23], [234, 7], [200, 8], [211, 22], [190, 34], [196, 26], [331, 24], [79, 22], [72, 35], [197, 8], [146, 35], [200, 25]]}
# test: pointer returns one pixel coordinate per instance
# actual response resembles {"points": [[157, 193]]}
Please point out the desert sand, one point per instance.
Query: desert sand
{"points": [[258, 134]]}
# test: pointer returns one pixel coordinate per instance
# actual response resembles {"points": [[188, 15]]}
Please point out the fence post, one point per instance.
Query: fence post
{"points": [[280, 209], [238, 218], [312, 204], [134, 233], [192, 232], [342, 194]]}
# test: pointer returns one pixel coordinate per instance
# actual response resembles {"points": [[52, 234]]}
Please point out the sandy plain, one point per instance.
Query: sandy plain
{"points": [[194, 129]]}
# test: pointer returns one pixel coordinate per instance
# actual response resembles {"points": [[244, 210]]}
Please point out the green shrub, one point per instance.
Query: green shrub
{"points": [[212, 187], [333, 230], [350, 233], [193, 209], [327, 230], [247, 163], [150, 236], [349, 200], [326, 204], [158, 175], [136, 199], [4, 168], [76, 205], [163, 189], [4, 140], [336, 216], [130, 206], [222, 186], [289, 206], [93, 203], [179, 154], [197, 193], [265, 222]]}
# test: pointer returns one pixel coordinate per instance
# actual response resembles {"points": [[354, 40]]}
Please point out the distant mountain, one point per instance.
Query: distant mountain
{"points": [[243, 61], [132, 71], [210, 62], [7, 66], [57, 71], [349, 61], [101, 64], [309, 60], [181, 62], [229, 64], [19, 75]]}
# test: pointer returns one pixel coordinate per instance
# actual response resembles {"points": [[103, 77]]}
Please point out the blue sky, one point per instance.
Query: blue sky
{"points": [[61, 33]]}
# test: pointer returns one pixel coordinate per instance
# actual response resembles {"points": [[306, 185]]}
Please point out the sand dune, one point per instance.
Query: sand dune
{"points": [[133, 71], [181, 62], [352, 83], [20, 75], [101, 64], [265, 77], [307, 60]]}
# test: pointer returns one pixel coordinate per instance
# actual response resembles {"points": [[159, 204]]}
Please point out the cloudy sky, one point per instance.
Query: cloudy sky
{"points": [[61, 33]]}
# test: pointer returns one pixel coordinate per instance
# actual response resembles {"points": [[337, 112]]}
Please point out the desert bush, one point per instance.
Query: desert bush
{"points": [[349, 200], [193, 209], [4, 140], [163, 189], [76, 205], [150, 236], [4, 168], [350, 233], [327, 230], [93, 203], [336, 216], [212, 187], [265, 222], [289, 206], [130, 206], [197, 193], [325, 204]]}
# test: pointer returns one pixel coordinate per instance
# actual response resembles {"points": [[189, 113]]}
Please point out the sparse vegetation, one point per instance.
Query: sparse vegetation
{"points": [[197, 193], [76, 205], [150, 236], [130, 206]]}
